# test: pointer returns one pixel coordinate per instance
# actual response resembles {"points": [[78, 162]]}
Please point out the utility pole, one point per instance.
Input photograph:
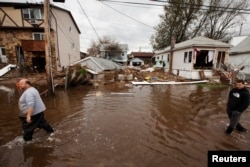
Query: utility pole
{"points": [[170, 71], [47, 48]]}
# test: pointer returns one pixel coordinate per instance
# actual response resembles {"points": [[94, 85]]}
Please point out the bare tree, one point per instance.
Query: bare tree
{"points": [[108, 44], [94, 49], [221, 16], [177, 17], [185, 19]]}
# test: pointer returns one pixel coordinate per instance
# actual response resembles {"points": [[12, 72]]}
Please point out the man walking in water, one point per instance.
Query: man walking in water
{"points": [[238, 101], [31, 108]]}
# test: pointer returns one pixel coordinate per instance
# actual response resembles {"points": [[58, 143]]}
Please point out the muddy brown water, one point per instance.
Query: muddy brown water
{"points": [[135, 126]]}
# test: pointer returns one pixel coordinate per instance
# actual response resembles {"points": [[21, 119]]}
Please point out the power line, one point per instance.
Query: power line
{"points": [[135, 3], [216, 8], [208, 6], [138, 6], [89, 21], [128, 16]]}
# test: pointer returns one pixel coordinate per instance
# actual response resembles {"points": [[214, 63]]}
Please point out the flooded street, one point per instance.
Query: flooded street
{"points": [[135, 126]]}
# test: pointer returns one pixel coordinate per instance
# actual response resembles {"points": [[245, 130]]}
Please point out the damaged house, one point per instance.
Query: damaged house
{"points": [[195, 58], [22, 38]]}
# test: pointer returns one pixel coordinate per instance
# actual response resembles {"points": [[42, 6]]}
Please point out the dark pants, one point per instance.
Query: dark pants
{"points": [[234, 117], [37, 121]]}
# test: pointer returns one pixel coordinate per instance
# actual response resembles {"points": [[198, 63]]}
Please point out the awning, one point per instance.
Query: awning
{"points": [[33, 45]]}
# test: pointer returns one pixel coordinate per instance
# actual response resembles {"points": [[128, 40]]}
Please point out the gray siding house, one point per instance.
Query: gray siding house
{"points": [[240, 55], [119, 56]]}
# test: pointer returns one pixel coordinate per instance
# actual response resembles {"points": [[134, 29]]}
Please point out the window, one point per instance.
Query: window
{"points": [[168, 58], [190, 57], [32, 13], [72, 45], [38, 36], [185, 57]]}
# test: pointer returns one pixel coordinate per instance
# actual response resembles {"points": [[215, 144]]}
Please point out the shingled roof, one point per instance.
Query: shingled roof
{"points": [[142, 54], [197, 42]]}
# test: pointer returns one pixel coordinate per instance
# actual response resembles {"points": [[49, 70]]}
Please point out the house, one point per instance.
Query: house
{"points": [[161, 59], [140, 58], [195, 58], [240, 54], [117, 54], [22, 37]]}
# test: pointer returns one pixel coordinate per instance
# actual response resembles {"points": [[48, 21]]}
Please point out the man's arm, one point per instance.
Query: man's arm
{"points": [[245, 102], [29, 113]]}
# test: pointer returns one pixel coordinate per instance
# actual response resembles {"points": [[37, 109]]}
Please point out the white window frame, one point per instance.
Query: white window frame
{"points": [[41, 36], [33, 13]]}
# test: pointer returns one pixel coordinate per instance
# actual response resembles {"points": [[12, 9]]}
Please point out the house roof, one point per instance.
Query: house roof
{"points": [[242, 47], [99, 64], [236, 40], [18, 4], [197, 42], [142, 54], [137, 60]]}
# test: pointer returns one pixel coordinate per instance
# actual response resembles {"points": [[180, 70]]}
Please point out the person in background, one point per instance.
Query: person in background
{"points": [[238, 101], [31, 108]]}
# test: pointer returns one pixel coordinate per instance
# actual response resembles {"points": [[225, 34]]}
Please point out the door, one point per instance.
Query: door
{"points": [[220, 59], [3, 56]]}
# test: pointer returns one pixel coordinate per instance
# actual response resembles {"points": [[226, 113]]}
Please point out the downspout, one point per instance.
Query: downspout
{"points": [[58, 52]]}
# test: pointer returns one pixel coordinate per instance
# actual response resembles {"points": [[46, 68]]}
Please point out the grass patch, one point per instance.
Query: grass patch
{"points": [[213, 85]]}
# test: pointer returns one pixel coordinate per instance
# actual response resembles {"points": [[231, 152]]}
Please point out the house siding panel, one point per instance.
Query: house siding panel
{"points": [[242, 60], [67, 34]]}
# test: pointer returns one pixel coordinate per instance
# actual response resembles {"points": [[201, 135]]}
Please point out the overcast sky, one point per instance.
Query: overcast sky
{"points": [[130, 24]]}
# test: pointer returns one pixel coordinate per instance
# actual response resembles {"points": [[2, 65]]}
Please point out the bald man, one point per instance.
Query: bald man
{"points": [[31, 108]]}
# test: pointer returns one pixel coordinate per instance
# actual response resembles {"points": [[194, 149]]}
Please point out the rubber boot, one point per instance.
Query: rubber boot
{"points": [[229, 130], [240, 128]]}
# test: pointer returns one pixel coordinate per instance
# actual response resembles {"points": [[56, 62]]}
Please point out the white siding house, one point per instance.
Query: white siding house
{"points": [[161, 59], [67, 39], [194, 57]]}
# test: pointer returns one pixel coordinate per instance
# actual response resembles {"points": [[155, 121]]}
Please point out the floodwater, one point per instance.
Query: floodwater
{"points": [[135, 126]]}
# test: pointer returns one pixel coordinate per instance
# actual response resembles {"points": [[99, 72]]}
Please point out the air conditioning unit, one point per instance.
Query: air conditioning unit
{"points": [[32, 21]]}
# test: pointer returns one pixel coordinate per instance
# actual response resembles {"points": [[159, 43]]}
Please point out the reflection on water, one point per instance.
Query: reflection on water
{"points": [[165, 125]]}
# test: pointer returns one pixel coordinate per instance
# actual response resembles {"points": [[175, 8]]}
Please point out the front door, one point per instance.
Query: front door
{"points": [[3, 57], [220, 59]]}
